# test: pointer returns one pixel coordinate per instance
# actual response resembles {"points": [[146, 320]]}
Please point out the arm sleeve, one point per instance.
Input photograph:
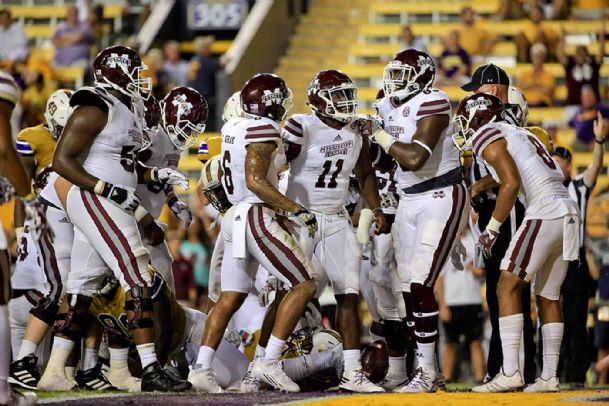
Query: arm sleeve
{"points": [[435, 104], [24, 148], [485, 138], [292, 131], [262, 133]]}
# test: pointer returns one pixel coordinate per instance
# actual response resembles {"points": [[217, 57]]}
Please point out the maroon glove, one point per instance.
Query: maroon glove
{"points": [[486, 241]]}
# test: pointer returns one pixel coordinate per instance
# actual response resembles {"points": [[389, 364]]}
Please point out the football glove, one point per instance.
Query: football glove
{"points": [[181, 210], [170, 176], [307, 219], [485, 243], [121, 197], [36, 213]]}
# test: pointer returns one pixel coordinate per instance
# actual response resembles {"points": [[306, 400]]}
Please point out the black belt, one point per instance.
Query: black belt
{"points": [[452, 177], [19, 292], [45, 201]]}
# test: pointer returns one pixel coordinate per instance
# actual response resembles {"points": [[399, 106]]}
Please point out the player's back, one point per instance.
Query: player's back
{"points": [[37, 142], [318, 177], [111, 156], [237, 134]]}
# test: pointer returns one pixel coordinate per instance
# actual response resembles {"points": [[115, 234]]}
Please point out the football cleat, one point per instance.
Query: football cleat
{"points": [[356, 381], [156, 378], [423, 381], [394, 380], [204, 380], [250, 384], [53, 381], [501, 383], [272, 372], [120, 377], [24, 373], [543, 386], [94, 379]]}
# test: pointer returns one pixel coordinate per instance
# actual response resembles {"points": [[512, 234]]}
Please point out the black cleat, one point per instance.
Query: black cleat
{"points": [[24, 373], [94, 379], [156, 378]]}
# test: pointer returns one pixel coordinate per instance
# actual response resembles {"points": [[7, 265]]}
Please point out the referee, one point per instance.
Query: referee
{"points": [[492, 79], [574, 352]]}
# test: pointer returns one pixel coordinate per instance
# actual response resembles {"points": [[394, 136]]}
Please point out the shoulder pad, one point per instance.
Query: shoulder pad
{"points": [[91, 96]]}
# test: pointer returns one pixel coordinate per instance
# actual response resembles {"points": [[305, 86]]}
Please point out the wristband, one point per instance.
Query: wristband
{"points": [[425, 146], [599, 141], [99, 188], [154, 174], [172, 200], [493, 225], [18, 232], [140, 213], [384, 140]]}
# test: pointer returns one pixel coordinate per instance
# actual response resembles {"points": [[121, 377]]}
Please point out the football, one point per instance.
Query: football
{"points": [[375, 361]]}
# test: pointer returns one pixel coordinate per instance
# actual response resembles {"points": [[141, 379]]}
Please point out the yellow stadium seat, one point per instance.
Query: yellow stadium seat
{"points": [[218, 47], [431, 7], [39, 31]]}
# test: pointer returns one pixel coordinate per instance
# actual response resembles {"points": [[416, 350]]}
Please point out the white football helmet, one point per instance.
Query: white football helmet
{"points": [[211, 185], [58, 111], [232, 108], [518, 106]]}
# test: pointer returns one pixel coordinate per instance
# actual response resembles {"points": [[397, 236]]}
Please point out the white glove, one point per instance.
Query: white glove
{"points": [[181, 210], [124, 198], [36, 213], [366, 217], [307, 219], [170, 177], [458, 255], [270, 286]]}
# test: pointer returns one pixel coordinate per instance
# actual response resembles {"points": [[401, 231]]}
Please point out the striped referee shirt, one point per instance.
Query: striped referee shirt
{"points": [[580, 192]]}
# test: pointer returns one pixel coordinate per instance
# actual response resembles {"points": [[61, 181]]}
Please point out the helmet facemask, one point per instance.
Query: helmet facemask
{"points": [[341, 102], [399, 79], [184, 134], [139, 87], [464, 134]]}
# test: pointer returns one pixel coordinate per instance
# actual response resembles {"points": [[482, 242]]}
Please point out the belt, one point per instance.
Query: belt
{"points": [[450, 178], [45, 201]]}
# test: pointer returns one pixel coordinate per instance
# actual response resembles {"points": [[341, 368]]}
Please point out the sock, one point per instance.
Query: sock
{"points": [[397, 365], [205, 357], [5, 349], [119, 354], [260, 352], [89, 359], [551, 334], [62, 347], [71, 373], [427, 355], [147, 354], [352, 359], [425, 312], [510, 331], [27, 348], [274, 348]]}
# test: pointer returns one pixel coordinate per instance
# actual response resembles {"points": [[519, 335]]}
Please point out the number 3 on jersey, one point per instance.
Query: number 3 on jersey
{"points": [[321, 181]]}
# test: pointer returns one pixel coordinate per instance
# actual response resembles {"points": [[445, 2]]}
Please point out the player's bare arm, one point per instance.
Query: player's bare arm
{"points": [[291, 150], [80, 131], [29, 163], [497, 155], [10, 164], [596, 166], [368, 185], [482, 185], [258, 159]]}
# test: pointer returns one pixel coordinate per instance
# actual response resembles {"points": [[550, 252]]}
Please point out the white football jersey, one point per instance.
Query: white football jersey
{"points": [[9, 90], [111, 156], [544, 194], [49, 193], [318, 177], [401, 123], [162, 154], [237, 134]]}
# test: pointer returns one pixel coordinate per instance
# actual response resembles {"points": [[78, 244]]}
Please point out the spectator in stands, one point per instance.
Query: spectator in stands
{"points": [[34, 99], [410, 41], [192, 248], [202, 75], [454, 63], [583, 121], [183, 275], [13, 42], [535, 32], [156, 70], [537, 83], [72, 41], [474, 38], [460, 304], [582, 68], [511, 10], [175, 66]]}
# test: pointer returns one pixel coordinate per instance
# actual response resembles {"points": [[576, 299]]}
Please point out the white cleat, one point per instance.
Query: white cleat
{"points": [[356, 381], [272, 372], [120, 377], [542, 386], [250, 384], [501, 383], [204, 380], [394, 380], [52, 381], [423, 381]]}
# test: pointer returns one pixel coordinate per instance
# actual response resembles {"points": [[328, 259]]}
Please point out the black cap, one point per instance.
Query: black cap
{"points": [[562, 152], [490, 74]]}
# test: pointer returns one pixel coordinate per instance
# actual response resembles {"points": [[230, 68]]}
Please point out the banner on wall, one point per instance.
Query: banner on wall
{"points": [[216, 14]]}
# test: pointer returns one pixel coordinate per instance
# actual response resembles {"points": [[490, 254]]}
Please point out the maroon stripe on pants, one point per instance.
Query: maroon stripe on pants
{"points": [[269, 254], [107, 240], [56, 286], [518, 247], [529, 250]]}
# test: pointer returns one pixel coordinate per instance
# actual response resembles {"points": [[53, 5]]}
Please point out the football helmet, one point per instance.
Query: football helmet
{"points": [[152, 118], [332, 94], [266, 95], [517, 104], [58, 111], [409, 72], [473, 112], [183, 115], [120, 68], [232, 108], [211, 185]]}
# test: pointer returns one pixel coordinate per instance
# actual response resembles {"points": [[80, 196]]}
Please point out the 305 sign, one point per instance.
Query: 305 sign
{"points": [[216, 14]]}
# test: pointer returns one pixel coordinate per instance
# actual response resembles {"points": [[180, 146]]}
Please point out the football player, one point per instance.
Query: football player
{"points": [[322, 149], [521, 164], [433, 198], [36, 146], [97, 154], [16, 180], [252, 235]]}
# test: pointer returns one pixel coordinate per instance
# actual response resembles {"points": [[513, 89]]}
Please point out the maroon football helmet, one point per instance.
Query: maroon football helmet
{"points": [[409, 72], [333, 94], [152, 118], [120, 68], [266, 95], [475, 111], [183, 115]]}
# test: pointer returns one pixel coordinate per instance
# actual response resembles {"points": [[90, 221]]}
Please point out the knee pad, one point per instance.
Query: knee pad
{"points": [[395, 335], [45, 310], [138, 305], [73, 320]]}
